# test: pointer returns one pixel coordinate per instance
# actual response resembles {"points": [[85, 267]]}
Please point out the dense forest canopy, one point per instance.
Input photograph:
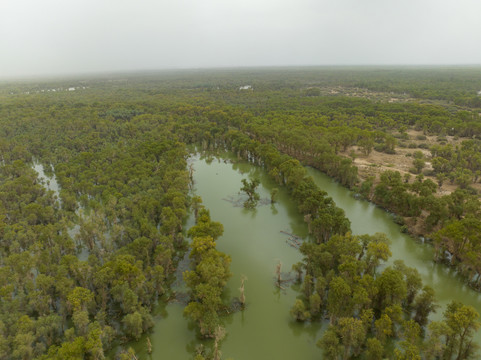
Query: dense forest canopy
{"points": [[82, 272]]}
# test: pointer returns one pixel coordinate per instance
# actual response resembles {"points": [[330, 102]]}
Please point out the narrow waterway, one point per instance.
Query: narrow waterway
{"points": [[367, 218], [253, 239], [49, 182]]}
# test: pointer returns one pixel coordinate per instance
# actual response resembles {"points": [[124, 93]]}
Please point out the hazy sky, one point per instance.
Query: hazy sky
{"points": [[77, 36]]}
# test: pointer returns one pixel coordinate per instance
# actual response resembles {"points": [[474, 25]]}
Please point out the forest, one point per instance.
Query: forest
{"points": [[83, 269]]}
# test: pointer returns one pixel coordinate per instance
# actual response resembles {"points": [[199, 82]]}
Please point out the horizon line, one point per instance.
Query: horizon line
{"points": [[103, 73]]}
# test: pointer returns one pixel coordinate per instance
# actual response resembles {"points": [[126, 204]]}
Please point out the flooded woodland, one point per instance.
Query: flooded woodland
{"points": [[226, 215]]}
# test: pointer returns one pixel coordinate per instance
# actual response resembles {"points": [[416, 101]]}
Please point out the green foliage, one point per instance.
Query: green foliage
{"points": [[369, 308], [462, 322], [299, 311], [330, 345], [249, 187], [374, 349], [119, 154], [424, 305], [134, 193], [133, 325], [204, 227], [274, 195], [208, 277]]}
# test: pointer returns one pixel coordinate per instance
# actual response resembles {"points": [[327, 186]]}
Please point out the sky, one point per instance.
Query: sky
{"points": [[55, 37]]}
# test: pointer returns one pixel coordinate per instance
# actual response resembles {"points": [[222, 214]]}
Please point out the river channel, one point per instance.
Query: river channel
{"points": [[253, 238]]}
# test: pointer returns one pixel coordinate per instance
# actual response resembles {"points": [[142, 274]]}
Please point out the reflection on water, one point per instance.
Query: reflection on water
{"points": [[49, 182], [368, 218], [253, 240]]}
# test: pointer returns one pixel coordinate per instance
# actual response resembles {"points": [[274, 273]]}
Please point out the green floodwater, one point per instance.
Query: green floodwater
{"points": [[254, 241], [367, 218]]}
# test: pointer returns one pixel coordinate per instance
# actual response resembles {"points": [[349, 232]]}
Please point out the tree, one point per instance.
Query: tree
{"points": [[463, 322], [298, 268], [299, 311], [205, 227], [377, 250], [196, 205], [274, 195], [339, 299], [457, 236], [133, 325], [392, 288], [366, 143], [242, 297], [208, 277], [315, 303], [424, 305], [407, 351], [383, 327], [219, 334], [374, 349], [249, 187], [412, 279], [352, 334], [418, 164], [330, 345], [435, 346]]}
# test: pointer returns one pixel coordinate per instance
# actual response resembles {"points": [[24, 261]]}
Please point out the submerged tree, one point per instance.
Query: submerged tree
{"points": [[249, 187], [369, 308], [274, 194], [462, 322], [208, 277], [219, 335], [242, 297]]}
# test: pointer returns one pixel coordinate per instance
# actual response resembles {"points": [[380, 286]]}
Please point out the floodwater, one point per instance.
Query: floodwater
{"points": [[265, 330], [49, 182], [367, 218], [253, 238]]}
